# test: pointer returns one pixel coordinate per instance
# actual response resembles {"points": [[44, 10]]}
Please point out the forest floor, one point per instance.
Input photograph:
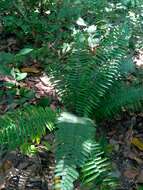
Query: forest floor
{"points": [[123, 136]]}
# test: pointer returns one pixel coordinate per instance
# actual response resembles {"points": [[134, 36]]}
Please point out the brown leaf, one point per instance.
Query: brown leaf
{"points": [[133, 156], [128, 137], [140, 177], [113, 132], [53, 107], [2, 186], [131, 173], [140, 114], [138, 143], [33, 70], [7, 164]]}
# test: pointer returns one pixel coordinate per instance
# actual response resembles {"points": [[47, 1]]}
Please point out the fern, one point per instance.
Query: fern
{"points": [[87, 84], [71, 135], [121, 96], [97, 169], [18, 127], [83, 84], [75, 147], [87, 78]]}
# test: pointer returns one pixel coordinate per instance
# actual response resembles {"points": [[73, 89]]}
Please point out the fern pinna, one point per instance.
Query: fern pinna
{"points": [[18, 127]]}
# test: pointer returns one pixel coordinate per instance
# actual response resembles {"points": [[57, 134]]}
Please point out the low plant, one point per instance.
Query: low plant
{"points": [[90, 85], [87, 65]]}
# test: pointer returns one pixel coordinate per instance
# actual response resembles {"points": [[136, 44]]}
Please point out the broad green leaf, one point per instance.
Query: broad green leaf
{"points": [[21, 76], [25, 51]]}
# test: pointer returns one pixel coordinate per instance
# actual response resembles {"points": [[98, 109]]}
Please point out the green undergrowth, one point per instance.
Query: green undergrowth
{"points": [[86, 48]]}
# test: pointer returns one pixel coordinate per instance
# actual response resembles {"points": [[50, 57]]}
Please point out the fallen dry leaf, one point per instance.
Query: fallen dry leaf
{"points": [[138, 143], [2, 186], [129, 137], [113, 132], [131, 173], [140, 114], [6, 165], [33, 70], [140, 177], [133, 156]]}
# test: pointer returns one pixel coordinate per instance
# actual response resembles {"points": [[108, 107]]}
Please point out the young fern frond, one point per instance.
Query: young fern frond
{"points": [[22, 125]]}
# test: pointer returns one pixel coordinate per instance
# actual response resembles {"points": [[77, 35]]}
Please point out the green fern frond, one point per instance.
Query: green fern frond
{"points": [[97, 169], [20, 126], [121, 96], [76, 148], [71, 148], [86, 78], [66, 174]]}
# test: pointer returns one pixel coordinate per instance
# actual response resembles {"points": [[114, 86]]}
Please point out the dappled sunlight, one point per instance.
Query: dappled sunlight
{"points": [[139, 59]]}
